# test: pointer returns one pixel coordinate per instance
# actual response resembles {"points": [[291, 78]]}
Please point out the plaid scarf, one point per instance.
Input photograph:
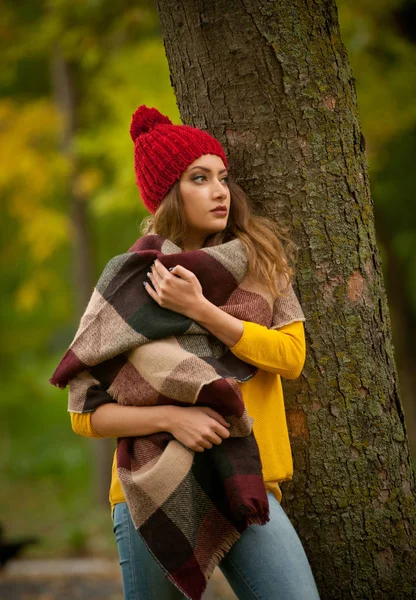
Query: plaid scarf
{"points": [[189, 507]]}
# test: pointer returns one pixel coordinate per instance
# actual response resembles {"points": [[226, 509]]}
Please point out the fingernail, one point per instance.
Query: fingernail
{"points": [[144, 283], [148, 274], [170, 268], [228, 423]]}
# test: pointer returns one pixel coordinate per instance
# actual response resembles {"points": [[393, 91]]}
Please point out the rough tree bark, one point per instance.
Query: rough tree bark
{"points": [[272, 81]]}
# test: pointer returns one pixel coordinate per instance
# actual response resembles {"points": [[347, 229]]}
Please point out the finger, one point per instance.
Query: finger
{"points": [[215, 438], [160, 267], [206, 444], [159, 274], [182, 272], [157, 269], [151, 291], [223, 432], [155, 281], [216, 415]]}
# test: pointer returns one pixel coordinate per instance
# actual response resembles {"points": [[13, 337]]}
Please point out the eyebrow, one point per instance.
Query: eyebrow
{"points": [[205, 169]]}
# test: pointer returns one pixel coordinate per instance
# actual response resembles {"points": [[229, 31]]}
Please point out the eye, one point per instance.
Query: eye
{"points": [[225, 178]]}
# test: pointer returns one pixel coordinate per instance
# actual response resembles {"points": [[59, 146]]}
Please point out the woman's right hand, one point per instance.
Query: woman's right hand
{"points": [[197, 427]]}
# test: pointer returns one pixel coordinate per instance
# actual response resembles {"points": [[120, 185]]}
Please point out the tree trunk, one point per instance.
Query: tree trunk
{"points": [[102, 450], [272, 81]]}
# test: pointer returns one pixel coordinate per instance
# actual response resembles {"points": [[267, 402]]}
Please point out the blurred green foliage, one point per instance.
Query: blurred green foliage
{"points": [[115, 57], [380, 38]]}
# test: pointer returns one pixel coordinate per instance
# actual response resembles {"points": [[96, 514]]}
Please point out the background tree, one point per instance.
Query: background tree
{"points": [[381, 39], [273, 82], [72, 42], [92, 47]]}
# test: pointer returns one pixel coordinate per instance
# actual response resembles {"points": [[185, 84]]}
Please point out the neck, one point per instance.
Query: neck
{"points": [[193, 244]]}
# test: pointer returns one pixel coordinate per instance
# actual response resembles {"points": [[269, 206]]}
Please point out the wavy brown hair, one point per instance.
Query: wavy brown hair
{"points": [[269, 247]]}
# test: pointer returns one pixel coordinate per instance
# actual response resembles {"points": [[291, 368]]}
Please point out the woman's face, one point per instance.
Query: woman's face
{"points": [[203, 187]]}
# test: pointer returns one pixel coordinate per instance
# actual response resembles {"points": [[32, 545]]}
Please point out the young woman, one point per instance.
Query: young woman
{"points": [[184, 182]]}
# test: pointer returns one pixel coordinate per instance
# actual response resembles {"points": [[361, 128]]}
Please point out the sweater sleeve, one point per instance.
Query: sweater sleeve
{"points": [[81, 424], [281, 351]]}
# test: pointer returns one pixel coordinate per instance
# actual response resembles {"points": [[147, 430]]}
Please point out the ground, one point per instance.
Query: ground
{"points": [[78, 579]]}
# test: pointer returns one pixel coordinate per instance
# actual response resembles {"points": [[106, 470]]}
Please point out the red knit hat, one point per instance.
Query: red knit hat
{"points": [[162, 151]]}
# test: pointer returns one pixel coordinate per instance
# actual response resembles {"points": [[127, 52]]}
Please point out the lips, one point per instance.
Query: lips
{"points": [[219, 209]]}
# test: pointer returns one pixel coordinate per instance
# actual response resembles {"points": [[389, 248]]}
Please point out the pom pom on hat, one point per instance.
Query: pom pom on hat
{"points": [[145, 119], [162, 151]]}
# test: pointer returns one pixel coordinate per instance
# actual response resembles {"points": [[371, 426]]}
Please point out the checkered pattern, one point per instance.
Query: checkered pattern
{"points": [[189, 507]]}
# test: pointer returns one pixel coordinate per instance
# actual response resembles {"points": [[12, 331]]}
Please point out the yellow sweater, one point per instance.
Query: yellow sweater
{"points": [[278, 353]]}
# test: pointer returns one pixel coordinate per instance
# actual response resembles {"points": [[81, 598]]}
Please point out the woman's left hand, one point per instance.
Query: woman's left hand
{"points": [[178, 290]]}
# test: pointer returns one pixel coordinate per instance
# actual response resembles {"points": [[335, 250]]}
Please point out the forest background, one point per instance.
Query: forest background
{"points": [[116, 61]]}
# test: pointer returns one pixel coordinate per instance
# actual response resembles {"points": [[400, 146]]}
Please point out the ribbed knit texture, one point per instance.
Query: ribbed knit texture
{"points": [[277, 353], [162, 151]]}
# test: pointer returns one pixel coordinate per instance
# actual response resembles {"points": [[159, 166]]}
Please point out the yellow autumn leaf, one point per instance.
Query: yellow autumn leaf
{"points": [[87, 182], [43, 232], [33, 290]]}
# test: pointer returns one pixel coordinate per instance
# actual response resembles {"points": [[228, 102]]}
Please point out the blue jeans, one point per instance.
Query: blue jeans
{"points": [[268, 562]]}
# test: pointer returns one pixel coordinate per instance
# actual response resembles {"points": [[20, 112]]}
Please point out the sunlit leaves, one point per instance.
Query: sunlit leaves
{"points": [[32, 172], [383, 63]]}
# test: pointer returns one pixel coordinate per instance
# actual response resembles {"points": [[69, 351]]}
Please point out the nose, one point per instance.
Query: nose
{"points": [[221, 190]]}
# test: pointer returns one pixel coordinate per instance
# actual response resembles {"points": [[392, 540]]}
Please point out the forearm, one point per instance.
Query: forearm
{"points": [[281, 351], [116, 420], [223, 326]]}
